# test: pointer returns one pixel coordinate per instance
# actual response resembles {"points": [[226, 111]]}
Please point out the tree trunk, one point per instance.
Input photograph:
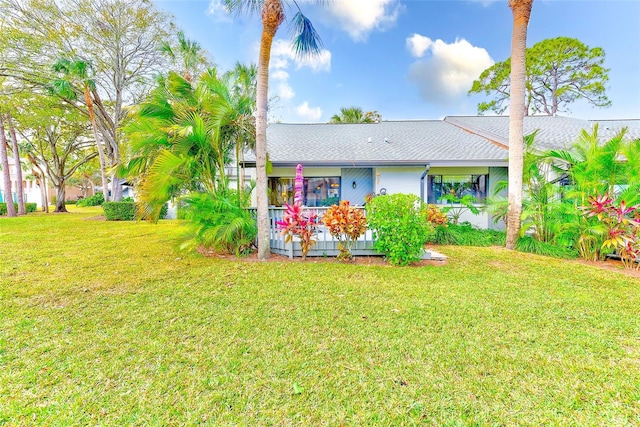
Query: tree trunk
{"points": [[61, 197], [101, 157], [4, 164], [272, 17], [521, 12], [16, 156]]}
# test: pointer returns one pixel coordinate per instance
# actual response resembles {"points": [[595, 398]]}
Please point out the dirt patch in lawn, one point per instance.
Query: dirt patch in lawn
{"points": [[358, 260], [610, 265]]}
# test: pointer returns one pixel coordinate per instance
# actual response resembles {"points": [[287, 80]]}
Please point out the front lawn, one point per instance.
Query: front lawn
{"points": [[104, 323]]}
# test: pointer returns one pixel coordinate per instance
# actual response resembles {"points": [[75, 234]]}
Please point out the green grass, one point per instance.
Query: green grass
{"points": [[103, 323]]}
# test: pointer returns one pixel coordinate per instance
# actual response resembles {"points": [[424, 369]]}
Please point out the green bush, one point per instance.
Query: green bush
{"points": [[533, 246], [28, 207], [218, 223], [95, 200], [70, 202], [399, 227], [119, 211], [125, 210], [466, 235]]}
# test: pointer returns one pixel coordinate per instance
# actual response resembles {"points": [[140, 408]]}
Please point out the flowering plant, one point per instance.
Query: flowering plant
{"points": [[346, 223], [296, 221], [621, 225]]}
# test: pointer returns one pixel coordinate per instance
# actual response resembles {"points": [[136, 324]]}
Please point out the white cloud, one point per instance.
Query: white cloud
{"points": [[219, 13], [282, 54], [359, 17], [449, 70], [418, 44], [279, 75], [309, 113], [284, 91]]}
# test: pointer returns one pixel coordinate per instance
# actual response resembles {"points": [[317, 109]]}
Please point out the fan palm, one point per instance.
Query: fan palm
{"points": [[355, 115], [78, 70], [305, 42], [521, 13]]}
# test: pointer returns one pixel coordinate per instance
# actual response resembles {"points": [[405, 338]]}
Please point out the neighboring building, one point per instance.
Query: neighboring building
{"points": [[30, 186], [428, 158]]}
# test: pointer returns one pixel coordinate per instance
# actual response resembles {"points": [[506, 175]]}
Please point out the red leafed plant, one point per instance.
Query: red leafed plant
{"points": [[346, 223], [296, 221], [621, 227]]}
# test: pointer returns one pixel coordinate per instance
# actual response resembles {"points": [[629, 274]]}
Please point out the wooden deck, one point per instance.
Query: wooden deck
{"points": [[326, 245]]}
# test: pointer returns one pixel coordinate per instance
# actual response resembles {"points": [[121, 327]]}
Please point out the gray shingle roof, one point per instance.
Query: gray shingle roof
{"points": [[554, 132], [456, 140], [409, 142]]}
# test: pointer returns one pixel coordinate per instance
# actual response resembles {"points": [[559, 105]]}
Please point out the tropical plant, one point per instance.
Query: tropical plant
{"points": [[183, 137], [355, 115], [621, 227], [305, 42], [300, 223], [217, 222], [4, 165], [458, 205], [399, 229], [16, 157], [436, 216], [346, 223], [521, 13], [576, 70], [79, 69]]}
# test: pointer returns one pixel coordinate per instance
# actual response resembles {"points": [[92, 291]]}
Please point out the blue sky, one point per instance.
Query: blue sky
{"points": [[414, 59]]}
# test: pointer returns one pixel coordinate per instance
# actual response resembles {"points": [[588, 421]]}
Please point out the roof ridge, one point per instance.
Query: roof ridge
{"points": [[489, 136]]}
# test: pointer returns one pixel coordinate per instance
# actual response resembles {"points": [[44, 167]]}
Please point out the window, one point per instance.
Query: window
{"points": [[458, 185], [316, 191]]}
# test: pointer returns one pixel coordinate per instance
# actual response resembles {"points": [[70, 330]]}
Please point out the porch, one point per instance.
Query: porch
{"points": [[326, 244]]}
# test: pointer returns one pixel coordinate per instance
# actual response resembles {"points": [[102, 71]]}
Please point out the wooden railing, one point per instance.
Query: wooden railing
{"points": [[326, 245]]}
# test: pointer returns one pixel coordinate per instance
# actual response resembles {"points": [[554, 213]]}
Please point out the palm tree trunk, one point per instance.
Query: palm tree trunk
{"points": [[521, 12], [4, 164], [101, 157], [272, 17], [16, 156]]}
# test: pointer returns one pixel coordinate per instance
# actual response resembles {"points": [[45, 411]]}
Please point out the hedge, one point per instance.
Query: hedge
{"points": [[125, 211], [29, 207]]}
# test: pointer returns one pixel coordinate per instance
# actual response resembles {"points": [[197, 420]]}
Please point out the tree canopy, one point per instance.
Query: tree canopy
{"points": [[559, 71], [355, 115]]}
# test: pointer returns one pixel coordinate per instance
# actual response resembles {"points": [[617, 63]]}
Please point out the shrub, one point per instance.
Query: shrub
{"points": [[126, 210], [466, 235], [296, 221], [621, 225], [533, 246], [436, 217], [71, 202], [119, 211], [28, 207], [218, 223], [399, 227], [346, 223], [95, 200]]}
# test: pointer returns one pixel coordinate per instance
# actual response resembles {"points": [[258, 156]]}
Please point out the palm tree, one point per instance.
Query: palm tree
{"points": [[79, 69], [4, 164], [355, 115], [183, 137], [16, 156], [188, 52], [521, 13], [305, 42]]}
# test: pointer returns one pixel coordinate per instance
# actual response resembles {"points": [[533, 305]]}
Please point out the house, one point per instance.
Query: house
{"points": [[30, 185], [429, 158]]}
